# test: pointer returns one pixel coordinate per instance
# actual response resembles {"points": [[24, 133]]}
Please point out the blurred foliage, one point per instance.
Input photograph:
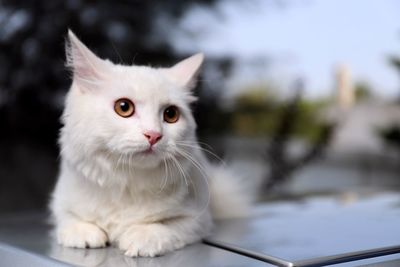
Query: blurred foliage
{"points": [[362, 91], [391, 136], [260, 112], [395, 62], [281, 163], [257, 112], [210, 117]]}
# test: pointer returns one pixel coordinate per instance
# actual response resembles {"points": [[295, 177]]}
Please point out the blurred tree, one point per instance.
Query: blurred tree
{"points": [[281, 163], [210, 118], [391, 134], [258, 112], [362, 91], [255, 112], [395, 62]]}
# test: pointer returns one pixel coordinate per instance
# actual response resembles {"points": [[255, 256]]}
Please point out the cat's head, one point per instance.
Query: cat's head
{"points": [[137, 112]]}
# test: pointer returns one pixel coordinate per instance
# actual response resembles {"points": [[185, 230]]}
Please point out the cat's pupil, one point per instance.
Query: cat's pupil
{"points": [[124, 106], [170, 112]]}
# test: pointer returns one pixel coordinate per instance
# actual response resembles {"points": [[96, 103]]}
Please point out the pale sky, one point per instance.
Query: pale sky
{"points": [[306, 38]]}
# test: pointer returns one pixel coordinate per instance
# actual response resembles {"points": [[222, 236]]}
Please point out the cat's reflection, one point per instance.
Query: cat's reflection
{"points": [[81, 257], [193, 255]]}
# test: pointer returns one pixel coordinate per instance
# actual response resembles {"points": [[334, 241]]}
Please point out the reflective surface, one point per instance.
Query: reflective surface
{"points": [[306, 232], [318, 226], [30, 232]]}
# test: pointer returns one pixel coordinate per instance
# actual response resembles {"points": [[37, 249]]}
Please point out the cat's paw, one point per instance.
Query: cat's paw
{"points": [[149, 241], [81, 235]]}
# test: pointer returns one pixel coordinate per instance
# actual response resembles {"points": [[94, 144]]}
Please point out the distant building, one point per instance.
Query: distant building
{"points": [[359, 123], [344, 87]]}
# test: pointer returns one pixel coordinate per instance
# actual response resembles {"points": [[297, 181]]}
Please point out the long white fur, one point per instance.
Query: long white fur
{"points": [[107, 191]]}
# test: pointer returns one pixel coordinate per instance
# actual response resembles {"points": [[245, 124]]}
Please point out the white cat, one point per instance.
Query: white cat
{"points": [[132, 173]]}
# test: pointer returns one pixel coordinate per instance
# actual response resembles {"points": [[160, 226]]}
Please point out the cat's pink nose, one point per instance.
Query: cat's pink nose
{"points": [[152, 136]]}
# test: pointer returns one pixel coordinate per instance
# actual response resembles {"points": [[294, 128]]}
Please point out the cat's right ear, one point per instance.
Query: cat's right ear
{"points": [[185, 72], [86, 67]]}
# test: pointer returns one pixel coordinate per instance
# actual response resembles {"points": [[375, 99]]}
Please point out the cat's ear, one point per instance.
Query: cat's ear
{"points": [[87, 68], [185, 72]]}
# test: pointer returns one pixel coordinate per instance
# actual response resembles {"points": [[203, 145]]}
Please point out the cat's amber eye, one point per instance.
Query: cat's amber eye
{"points": [[124, 107], [171, 114]]}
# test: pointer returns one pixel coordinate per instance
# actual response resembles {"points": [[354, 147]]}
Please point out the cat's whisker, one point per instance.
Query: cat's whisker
{"points": [[121, 163], [194, 145], [173, 169], [114, 167], [165, 179], [92, 82], [118, 161], [202, 171], [198, 143], [180, 169], [194, 185], [193, 161], [130, 168], [183, 172], [166, 174], [128, 164], [117, 53]]}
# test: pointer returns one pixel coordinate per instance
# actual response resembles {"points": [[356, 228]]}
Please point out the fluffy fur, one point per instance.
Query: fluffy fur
{"points": [[110, 190]]}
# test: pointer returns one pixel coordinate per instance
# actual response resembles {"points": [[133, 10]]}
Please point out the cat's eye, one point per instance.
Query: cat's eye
{"points": [[124, 107], [171, 114]]}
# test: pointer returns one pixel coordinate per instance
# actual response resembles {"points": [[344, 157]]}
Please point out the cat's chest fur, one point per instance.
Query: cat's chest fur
{"points": [[146, 194]]}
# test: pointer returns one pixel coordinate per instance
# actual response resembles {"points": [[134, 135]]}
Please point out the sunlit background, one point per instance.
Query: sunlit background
{"points": [[301, 96]]}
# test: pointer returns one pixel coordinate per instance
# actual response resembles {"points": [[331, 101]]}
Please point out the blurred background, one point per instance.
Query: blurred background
{"points": [[302, 95]]}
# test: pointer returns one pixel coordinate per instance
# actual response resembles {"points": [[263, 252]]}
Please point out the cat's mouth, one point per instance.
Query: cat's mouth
{"points": [[143, 153], [148, 151]]}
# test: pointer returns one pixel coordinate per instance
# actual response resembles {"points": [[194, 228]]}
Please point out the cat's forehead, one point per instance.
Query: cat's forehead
{"points": [[142, 84]]}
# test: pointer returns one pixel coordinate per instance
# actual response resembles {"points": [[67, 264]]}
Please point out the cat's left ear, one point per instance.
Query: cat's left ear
{"points": [[185, 72], [86, 66]]}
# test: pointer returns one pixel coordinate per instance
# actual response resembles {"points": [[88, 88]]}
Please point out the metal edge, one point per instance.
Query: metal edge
{"points": [[347, 257], [248, 253]]}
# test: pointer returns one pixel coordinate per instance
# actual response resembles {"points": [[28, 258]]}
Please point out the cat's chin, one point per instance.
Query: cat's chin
{"points": [[146, 160]]}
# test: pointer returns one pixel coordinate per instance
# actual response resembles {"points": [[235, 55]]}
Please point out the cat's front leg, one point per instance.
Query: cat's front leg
{"points": [[80, 234], [155, 239], [149, 240]]}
